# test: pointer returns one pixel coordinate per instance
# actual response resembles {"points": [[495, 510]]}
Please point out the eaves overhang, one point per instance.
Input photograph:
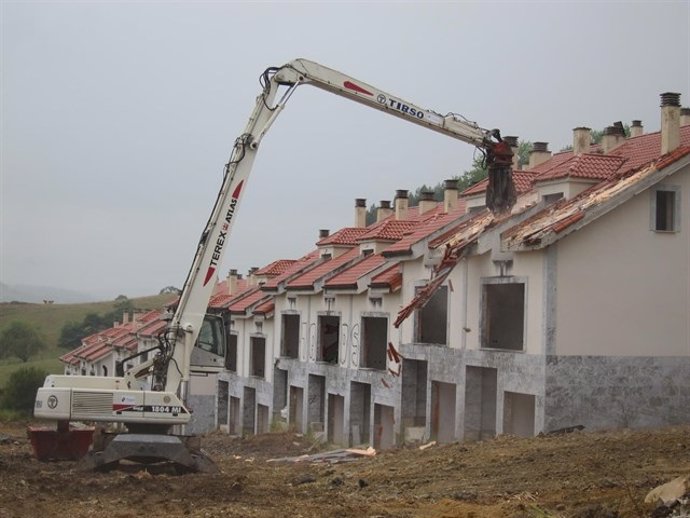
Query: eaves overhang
{"points": [[565, 179], [397, 253]]}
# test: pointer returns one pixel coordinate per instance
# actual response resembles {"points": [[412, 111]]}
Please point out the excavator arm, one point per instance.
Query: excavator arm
{"points": [[201, 278], [127, 398]]}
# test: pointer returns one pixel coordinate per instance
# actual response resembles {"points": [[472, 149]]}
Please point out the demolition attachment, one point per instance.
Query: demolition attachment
{"points": [[500, 191]]}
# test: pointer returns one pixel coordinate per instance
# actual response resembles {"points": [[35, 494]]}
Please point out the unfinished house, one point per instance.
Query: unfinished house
{"points": [[443, 321], [573, 310], [99, 352], [509, 325]]}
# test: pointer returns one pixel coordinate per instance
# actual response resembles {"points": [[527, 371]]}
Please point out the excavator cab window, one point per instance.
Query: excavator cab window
{"points": [[212, 336]]}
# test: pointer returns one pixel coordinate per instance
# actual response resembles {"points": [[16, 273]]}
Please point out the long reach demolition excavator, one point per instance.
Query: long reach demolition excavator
{"points": [[149, 400]]}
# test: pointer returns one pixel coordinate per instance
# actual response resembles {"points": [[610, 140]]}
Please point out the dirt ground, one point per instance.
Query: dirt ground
{"points": [[581, 474]]}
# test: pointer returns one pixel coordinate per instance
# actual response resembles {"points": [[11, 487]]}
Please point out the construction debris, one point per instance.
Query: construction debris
{"points": [[670, 493], [332, 457]]}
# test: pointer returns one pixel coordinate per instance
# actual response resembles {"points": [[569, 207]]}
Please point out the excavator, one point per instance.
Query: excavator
{"points": [[148, 401]]}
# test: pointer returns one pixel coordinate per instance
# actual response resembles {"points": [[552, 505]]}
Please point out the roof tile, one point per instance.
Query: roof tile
{"points": [[307, 280], [349, 277]]}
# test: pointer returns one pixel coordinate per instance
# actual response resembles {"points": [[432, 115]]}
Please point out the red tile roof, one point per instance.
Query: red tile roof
{"points": [[308, 261], [253, 296], [556, 160], [645, 148], [224, 300], [153, 328], [347, 236], [71, 357], [422, 230], [542, 228], [390, 278], [276, 267], [629, 155], [347, 279], [588, 166], [307, 280], [265, 307], [387, 230], [523, 183]]}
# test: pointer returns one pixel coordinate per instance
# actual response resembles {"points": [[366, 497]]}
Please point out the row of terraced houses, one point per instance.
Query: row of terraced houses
{"points": [[443, 321]]}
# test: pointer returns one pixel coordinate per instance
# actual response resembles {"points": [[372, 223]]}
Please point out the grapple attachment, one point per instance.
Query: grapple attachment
{"points": [[500, 191]]}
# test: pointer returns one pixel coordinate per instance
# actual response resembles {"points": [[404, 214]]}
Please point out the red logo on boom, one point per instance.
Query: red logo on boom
{"points": [[223, 234], [351, 86]]}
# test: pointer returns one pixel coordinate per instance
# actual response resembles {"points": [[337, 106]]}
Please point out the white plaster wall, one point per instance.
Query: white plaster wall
{"points": [[478, 267], [414, 272], [527, 267], [272, 344], [624, 289], [530, 267], [240, 326], [569, 188]]}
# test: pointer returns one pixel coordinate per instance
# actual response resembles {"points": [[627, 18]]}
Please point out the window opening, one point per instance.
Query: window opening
{"points": [[503, 319], [431, 320], [329, 335], [258, 358], [665, 210], [290, 336], [374, 342], [231, 353]]}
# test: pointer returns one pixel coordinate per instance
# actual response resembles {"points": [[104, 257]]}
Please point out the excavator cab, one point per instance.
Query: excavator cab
{"points": [[209, 350]]}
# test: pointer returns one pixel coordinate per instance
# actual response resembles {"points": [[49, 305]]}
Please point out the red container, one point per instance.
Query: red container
{"points": [[51, 444]]}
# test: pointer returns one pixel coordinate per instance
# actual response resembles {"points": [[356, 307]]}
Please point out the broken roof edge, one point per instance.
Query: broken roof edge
{"points": [[638, 181]]}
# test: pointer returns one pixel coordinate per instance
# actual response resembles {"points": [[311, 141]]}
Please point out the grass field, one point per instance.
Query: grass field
{"points": [[49, 319]]}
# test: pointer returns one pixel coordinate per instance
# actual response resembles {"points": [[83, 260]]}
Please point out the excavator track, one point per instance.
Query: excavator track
{"points": [[149, 449]]}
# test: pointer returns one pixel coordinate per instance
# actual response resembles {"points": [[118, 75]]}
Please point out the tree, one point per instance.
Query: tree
{"points": [[524, 147], [20, 391], [477, 173], [170, 289], [71, 335], [21, 340]]}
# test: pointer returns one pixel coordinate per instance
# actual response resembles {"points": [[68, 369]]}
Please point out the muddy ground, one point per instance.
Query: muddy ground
{"points": [[581, 474]]}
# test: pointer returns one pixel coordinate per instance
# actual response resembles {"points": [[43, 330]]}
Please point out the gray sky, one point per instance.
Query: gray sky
{"points": [[117, 117]]}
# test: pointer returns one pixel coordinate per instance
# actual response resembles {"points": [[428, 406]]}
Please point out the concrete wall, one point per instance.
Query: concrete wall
{"points": [[616, 391], [202, 401], [622, 289]]}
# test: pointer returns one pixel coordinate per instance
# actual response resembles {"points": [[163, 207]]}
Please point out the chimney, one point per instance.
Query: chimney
{"points": [[401, 204], [670, 122], [232, 282], [514, 147], [582, 138], [125, 317], [613, 136], [324, 233], [426, 202], [684, 117], [384, 210], [540, 153], [636, 129], [450, 195], [251, 278], [360, 212]]}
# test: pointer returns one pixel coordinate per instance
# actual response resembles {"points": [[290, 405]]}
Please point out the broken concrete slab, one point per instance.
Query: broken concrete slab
{"points": [[669, 493]]}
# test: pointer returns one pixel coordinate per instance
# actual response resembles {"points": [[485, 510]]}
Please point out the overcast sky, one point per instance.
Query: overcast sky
{"points": [[117, 117]]}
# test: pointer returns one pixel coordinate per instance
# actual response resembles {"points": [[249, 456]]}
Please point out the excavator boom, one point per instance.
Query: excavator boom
{"points": [[160, 403]]}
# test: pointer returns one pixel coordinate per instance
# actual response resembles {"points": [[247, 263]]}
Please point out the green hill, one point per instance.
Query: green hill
{"points": [[49, 319]]}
